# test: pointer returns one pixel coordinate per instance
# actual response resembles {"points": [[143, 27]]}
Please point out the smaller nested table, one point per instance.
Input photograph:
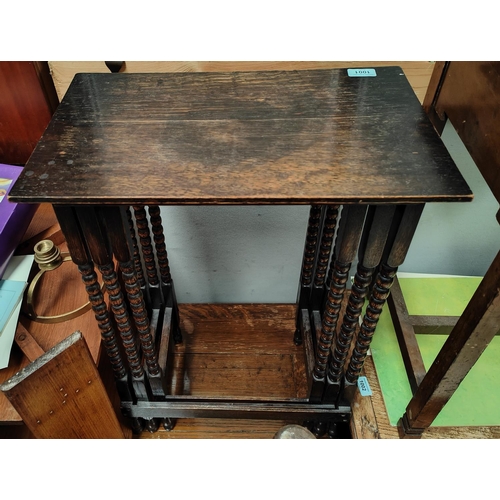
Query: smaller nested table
{"points": [[355, 146]]}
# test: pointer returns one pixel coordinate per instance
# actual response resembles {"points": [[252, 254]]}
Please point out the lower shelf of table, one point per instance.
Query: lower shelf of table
{"points": [[238, 352]]}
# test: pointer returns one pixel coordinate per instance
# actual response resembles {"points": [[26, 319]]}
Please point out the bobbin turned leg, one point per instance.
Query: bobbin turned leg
{"points": [[163, 309], [116, 221], [137, 260], [405, 223], [167, 283], [104, 231], [308, 265], [323, 257], [76, 246], [349, 234], [153, 282], [376, 230]]}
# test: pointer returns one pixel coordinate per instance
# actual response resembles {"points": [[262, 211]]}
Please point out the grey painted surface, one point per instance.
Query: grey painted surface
{"points": [[244, 254]]}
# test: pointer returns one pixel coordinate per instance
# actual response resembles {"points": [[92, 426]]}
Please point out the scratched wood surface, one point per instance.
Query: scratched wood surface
{"points": [[61, 395], [417, 72], [262, 137], [238, 351]]}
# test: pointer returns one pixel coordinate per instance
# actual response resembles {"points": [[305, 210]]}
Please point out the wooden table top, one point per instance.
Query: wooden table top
{"points": [[263, 137]]}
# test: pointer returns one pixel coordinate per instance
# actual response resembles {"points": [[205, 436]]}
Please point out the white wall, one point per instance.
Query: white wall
{"points": [[457, 238], [253, 254]]}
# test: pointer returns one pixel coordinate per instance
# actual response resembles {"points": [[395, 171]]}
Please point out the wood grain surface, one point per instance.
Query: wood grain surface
{"points": [[316, 136], [220, 428], [241, 351], [469, 98], [418, 72], [61, 395], [24, 108]]}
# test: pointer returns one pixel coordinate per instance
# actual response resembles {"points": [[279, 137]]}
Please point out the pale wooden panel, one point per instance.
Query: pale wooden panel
{"points": [[61, 395], [363, 423], [417, 72]]}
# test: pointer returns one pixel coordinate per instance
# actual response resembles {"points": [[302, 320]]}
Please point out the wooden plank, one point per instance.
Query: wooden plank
{"points": [[165, 344], [299, 376], [384, 428], [434, 325], [263, 377], [242, 340], [238, 350], [417, 72], [363, 422], [60, 395], [247, 328], [469, 99], [278, 126], [273, 314], [25, 111], [307, 340], [432, 94], [405, 334]]}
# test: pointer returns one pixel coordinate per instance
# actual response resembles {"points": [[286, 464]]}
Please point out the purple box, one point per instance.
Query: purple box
{"points": [[14, 217]]}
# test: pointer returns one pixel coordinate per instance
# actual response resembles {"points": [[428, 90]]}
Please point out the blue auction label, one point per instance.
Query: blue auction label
{"points": [[364, 386], [361, 72]]}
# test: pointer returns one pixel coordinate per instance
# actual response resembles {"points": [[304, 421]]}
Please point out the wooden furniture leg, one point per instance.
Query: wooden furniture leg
{"points": [[167, 283], [79, 254], [474, 330], [405, 334], [77, 248], [307, 271], [155, 369], [403, 228], [323, 256], [346, 246], [60, 395], [163, 308], [375, 233]]}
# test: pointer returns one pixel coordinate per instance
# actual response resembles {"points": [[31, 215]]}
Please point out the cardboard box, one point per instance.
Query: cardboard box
{"points": [[14, 217]]}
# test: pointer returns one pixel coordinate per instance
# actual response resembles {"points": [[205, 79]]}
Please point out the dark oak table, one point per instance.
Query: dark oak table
{"points": [[358, 149]]}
